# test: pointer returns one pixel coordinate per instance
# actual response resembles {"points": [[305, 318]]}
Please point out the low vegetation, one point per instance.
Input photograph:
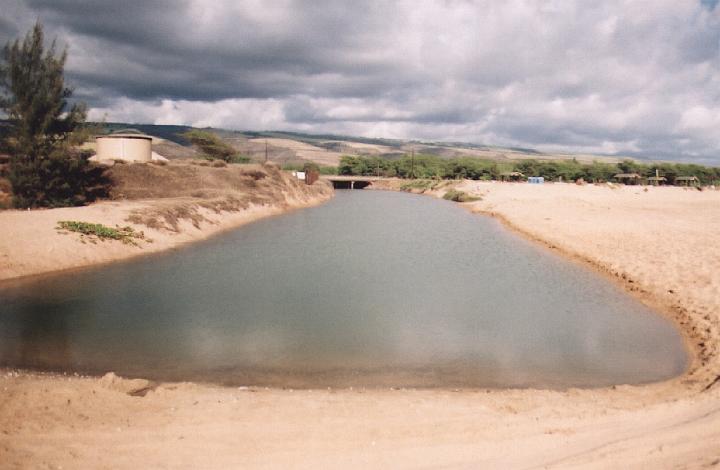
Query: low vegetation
{"points": [[433, 167], [459, 196], [322, 169], [94, 232], [422, 185], [5, 186], [213, 147]]}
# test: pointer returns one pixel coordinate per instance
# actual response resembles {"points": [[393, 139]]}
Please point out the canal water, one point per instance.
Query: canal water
{"points": [[373, 289]]}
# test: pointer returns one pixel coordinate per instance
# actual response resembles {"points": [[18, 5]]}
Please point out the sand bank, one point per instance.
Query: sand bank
{"points": [[202, 203], [660, 244]]}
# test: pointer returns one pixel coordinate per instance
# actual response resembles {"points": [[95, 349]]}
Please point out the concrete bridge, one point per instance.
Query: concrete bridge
{"points": [[350, 182]]}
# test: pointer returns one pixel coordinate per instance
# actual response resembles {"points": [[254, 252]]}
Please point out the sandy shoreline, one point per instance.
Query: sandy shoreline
{"points": [[31, 245], [586, 225], [646, 259], [659, 244]]}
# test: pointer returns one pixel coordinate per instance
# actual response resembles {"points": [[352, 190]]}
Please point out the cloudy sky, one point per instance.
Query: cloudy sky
{"points": [[632, 77]]}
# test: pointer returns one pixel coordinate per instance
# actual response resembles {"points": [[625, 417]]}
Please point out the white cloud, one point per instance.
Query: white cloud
{"points": [[614, 76], [230, 113]]}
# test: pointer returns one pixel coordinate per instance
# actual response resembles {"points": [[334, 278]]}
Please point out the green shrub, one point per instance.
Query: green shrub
{"points": [[328, 170], [311, 166], [211, 145], [421, 185], [63, 178], [93, 232], [459, 196], [239, 159]]}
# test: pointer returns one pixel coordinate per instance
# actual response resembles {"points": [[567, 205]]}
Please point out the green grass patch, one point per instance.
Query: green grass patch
{"points": [[239, 159], [323, 170], [94, 232], [421, 185], [459, 196]]}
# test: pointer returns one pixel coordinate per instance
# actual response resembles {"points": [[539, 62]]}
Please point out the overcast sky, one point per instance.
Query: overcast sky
{"points": [[631, 77]]}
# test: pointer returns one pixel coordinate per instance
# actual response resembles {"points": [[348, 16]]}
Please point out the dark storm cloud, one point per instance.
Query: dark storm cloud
{"points": [[615, 76], [8, 29], [168, 49]]}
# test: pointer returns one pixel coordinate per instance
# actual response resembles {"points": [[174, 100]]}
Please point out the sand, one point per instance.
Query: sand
{"points": [[660, 244]]}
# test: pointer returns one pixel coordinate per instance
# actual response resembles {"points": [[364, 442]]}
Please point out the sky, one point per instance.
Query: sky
{"points": [[627, 77]]}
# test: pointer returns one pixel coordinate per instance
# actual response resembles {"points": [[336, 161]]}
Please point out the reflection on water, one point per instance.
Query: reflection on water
{"points": [[47, 329], [371, 289]]}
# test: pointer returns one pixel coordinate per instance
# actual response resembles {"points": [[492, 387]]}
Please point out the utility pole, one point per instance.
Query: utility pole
{"points": [[412, 165], [266, 155]]}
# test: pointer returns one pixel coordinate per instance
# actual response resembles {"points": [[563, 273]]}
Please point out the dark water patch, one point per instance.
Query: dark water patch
{"points": [[370, 289]]}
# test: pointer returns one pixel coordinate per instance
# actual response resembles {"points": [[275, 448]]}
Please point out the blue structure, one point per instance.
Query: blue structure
{"points": [[535, 180]]}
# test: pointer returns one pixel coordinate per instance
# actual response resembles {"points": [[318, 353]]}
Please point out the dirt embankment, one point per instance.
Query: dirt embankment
{"points": [[172, 204]]}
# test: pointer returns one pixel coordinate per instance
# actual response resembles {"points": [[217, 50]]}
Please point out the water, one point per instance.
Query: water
{"points": [[370, 289]]}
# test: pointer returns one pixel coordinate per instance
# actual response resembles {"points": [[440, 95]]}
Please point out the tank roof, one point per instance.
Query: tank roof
{"points": [[127, 130], [125, 135]]}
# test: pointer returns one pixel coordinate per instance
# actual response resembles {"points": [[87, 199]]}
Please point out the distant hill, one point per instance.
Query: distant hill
{"points": [[286, 147], [171, 133], [319, 138]]}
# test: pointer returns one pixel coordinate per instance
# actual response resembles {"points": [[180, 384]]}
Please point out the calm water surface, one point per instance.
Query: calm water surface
{"points": [[370, 289]]}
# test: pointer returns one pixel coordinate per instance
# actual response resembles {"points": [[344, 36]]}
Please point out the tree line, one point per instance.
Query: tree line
{"points": [[431, 166]]}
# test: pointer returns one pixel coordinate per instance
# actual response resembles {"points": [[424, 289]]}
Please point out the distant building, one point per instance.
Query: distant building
{"points": [[657, 180], [535, 180], [628, 178], [128, 145], [687, 181]]}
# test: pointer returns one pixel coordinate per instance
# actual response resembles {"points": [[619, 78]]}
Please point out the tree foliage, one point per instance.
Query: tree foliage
{"points": [[45, 167], [213, 147], [429, 166]]}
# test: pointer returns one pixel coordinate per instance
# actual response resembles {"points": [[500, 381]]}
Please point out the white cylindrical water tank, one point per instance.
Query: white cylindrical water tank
{"points": [[130, 147]]}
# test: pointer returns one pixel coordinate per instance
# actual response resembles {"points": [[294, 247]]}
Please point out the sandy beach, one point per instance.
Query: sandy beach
{"points": [[659, 243]]}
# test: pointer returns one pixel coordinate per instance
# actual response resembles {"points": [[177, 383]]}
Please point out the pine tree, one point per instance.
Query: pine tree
{"points": [[45, 169]]}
